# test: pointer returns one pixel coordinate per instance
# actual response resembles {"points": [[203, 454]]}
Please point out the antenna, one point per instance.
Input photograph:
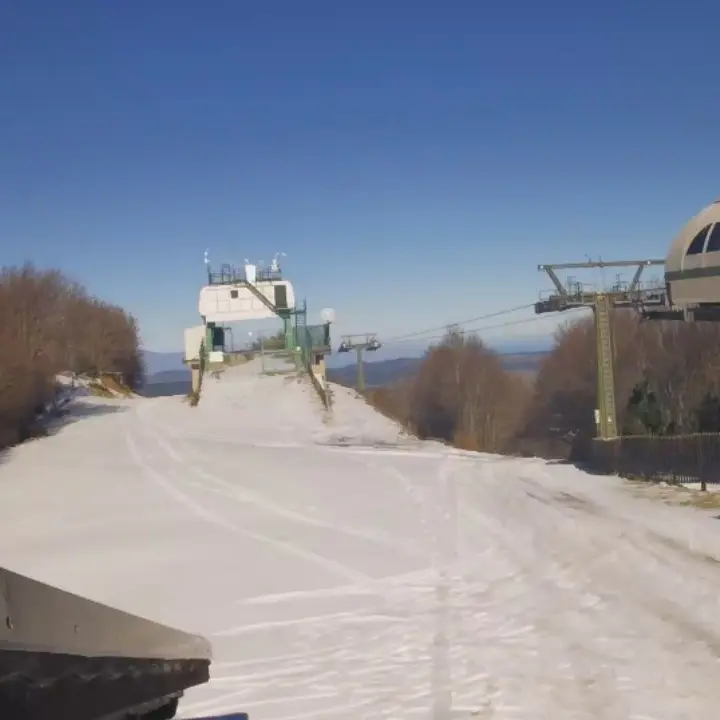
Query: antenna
{"points": [[327, 315], [275, 265], [207, 266]]}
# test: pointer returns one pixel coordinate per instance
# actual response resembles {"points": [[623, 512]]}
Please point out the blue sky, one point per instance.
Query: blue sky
{"points": [[416, 160]]}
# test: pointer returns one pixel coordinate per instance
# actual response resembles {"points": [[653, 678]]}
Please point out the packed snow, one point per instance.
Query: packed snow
{"points": [[342, 569]]}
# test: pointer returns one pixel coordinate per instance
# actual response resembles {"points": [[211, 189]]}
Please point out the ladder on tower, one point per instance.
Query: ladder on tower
{"points": [[605, 371]]}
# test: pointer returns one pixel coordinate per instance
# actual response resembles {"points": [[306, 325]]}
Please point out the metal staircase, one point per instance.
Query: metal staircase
{"points": [[286, 314], [263, 299]]}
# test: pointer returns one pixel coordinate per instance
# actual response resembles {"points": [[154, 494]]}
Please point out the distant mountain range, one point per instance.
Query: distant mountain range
{"points": [[378, 373], [385, 372], [158, 362], [166, 389], [169, 376], [166, 374], [168, 370], [524, 362]]}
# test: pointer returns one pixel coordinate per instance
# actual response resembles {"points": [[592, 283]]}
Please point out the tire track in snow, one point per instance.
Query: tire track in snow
{"points": [[170, 488], [442, 519], [467, 607], [382, 585], [672, 559], [243, 495], [447, 555], [363, 658], [641, 532], [533, 569], [631, 604], [643, 540], [591, 688], [439, 522], [367, 681], [381, 667]]}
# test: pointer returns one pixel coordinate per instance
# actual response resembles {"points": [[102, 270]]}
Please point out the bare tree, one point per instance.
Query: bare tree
{"points": [[462, 394], [48, 325], [667, 380]]}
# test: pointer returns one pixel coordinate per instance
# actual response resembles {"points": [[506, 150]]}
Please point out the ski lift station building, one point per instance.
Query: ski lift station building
{"points": [[233, 296], [692, 266]]}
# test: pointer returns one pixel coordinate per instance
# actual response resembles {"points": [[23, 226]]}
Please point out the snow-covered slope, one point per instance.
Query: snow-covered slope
{"points": [[342, 570]]}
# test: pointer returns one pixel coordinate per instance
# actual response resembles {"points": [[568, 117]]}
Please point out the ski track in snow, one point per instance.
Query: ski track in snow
{"points": [[342, 571]]}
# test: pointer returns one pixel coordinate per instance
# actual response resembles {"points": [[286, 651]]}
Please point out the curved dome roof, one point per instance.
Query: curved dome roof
{"points": [[676, 254]]}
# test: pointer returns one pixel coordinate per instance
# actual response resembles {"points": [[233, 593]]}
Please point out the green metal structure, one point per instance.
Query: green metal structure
{"points": [[634, 295], [605, 370], [305, 342], [360, 343]]}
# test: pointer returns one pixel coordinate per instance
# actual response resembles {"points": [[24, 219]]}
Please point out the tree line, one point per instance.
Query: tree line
{"points": [[667, 382], [50, 325]]}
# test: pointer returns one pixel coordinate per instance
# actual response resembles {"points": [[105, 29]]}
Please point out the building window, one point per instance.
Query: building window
{"points": [[234, 294], [698, 242], [713, 244]]}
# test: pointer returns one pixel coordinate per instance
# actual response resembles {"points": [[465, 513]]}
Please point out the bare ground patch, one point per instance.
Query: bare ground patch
{"points": [[677, 495]]}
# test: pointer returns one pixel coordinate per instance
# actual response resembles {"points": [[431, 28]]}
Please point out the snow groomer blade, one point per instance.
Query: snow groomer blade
{"points": [[64, 656]]}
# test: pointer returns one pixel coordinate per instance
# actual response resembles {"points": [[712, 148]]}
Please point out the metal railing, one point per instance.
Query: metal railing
{"points": [[670, 458], [226, 276], [312, 340], [229, 275], [268, 275], [316, 338]]}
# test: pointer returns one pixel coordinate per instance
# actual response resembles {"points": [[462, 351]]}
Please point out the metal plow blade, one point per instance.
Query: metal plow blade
{"points": [[232, 716], [63, 657]]}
